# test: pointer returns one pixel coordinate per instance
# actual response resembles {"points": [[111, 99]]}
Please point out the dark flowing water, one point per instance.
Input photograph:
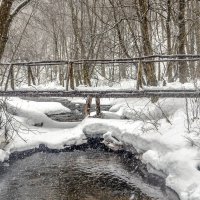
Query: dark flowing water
{"points": [[77, 175], [76, 113]]}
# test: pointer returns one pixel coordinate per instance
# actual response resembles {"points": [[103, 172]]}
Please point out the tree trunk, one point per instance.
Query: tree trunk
{"points": [[197, 35], [169, 64], [5, 20], [146, 43], [182, 65]]}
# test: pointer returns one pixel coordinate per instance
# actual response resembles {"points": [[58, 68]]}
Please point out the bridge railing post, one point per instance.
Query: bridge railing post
{"points": [[139, 75], [10, 77], [70, 76], [30, 76], [98, 107], [87, 106], [67, 77]]}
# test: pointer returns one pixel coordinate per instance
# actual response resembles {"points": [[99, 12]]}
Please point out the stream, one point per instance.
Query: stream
{"points": [[90, 172]]}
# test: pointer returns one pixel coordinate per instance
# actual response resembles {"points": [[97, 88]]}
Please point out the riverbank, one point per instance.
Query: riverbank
{"points": [[156, 131]]}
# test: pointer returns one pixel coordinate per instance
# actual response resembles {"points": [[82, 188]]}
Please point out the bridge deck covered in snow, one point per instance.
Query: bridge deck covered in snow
{"points": [[71, 65]]}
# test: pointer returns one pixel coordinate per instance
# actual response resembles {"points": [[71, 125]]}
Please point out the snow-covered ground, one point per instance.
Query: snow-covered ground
{"points": [[166, 134]]}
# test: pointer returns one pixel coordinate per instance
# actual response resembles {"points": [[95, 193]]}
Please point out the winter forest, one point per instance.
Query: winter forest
{"points": [[101, 29], [99, 100]]}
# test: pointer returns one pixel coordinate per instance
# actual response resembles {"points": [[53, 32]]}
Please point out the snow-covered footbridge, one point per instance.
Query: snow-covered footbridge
{"points": [[70, 67]]}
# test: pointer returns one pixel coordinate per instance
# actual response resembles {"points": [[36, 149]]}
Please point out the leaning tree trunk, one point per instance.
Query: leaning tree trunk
{"points": [[6, 18]]}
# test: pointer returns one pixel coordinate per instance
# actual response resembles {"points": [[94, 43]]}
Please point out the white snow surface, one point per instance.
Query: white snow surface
{"points": [[81, 100], [105, 85], [156, 131], [42, 107]]}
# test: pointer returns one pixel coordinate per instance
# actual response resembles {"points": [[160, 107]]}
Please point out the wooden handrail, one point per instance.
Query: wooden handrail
{"points": [[106, 94], [135, 60]]}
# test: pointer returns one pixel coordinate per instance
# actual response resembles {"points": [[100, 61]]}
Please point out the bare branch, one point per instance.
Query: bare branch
{"points": [[19, 8]]}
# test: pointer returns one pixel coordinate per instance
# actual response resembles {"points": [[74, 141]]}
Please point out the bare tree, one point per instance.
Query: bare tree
{"points": [[149, 69], [183, 69]]}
